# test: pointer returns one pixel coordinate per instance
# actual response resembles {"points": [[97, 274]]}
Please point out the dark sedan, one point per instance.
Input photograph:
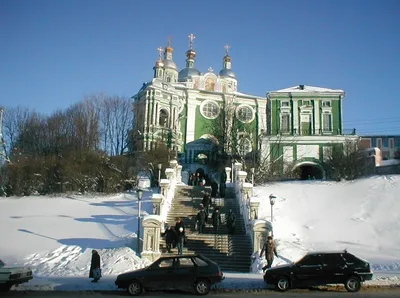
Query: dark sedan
{"points": [[321, 268], [181, 272]]}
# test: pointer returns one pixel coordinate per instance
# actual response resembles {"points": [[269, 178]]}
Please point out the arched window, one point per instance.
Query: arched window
{"points": [[209, 109], [163, 119]]}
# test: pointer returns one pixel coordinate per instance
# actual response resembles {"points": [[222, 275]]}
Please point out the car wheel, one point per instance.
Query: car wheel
{"points": [[353, 284], [283, 283], [135, 288], [202, 287], [4, 287]]}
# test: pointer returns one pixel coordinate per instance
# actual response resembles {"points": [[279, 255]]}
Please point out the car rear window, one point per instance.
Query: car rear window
{"points": [[353, 260], [199, 262]]}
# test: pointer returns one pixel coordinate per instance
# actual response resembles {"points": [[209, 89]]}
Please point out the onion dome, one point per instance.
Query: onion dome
{"points": [[226, 71]]}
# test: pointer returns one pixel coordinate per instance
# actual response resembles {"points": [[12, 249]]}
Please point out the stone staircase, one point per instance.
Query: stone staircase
{"points": [[231, 252]]}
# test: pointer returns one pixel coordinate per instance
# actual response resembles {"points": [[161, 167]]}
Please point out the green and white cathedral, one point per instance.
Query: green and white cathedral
{"points": [[184, 108]]}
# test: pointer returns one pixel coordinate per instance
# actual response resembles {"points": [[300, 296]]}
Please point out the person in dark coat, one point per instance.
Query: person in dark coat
{"points": [[201, 220], [180, 235], [95, 272], [206, 203], [216, 220], [214, 189], [170, 238], [222, 184], [270, 250], [230, 222]]}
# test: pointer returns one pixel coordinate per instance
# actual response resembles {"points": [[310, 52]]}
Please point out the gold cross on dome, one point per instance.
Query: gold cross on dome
{"points": [[160, 50], [210, 69], [227, 47], [169, 41], [191, 38]]}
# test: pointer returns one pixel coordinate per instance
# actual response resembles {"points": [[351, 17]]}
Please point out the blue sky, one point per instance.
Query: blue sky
{"points": [[53, 53]]}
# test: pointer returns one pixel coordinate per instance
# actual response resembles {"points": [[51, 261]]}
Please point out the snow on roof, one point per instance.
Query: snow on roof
{"points": [[307, 89]]}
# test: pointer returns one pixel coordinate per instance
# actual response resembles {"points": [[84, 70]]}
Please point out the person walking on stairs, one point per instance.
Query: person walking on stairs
{"points": [[201, 219], [180, 235], [216, 220], [230, 222], [206, 203]]}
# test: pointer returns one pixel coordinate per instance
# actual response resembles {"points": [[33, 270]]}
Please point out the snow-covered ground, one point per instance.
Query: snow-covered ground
{"points": [[55, 235]]}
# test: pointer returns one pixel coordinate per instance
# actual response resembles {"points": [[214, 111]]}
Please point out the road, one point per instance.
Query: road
{"points": [[369, 293]]}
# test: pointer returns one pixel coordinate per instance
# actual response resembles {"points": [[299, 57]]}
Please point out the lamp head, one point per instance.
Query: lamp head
{"points": [[160, 166], [272, 199], [139, 194]]}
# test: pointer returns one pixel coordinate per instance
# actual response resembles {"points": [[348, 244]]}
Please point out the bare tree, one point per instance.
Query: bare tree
{"points": [[116, 119], [346, 160], [14, 123]]}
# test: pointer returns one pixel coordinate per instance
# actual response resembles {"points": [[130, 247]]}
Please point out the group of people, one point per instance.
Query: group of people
{"points": [[216, 219], [175, 236]]}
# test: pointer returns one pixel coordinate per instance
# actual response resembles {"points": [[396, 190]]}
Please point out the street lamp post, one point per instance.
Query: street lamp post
{"points": [[159, 175], [252, 170], [139, 197], [272, 202]]}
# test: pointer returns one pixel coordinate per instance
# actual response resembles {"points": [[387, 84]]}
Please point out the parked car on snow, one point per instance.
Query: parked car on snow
{"points": [[10, 276], [180, 272], [321, 268]]}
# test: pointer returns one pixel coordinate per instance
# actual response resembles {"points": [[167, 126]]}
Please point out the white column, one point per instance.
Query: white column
{"points": [[317, 114], [191, 119], [295, 116]]}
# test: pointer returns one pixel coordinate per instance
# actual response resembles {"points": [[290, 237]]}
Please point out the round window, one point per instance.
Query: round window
{"points": [[209, 109], [245, 114]]}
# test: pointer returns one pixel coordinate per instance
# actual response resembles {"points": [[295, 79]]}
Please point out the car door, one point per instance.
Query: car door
{"points": [[308, 271], [334, 267], [184, 272], [160, 275]]}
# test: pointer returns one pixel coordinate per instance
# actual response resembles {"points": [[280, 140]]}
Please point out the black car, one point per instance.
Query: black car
{"points": [[180, 272], [321, 268]]}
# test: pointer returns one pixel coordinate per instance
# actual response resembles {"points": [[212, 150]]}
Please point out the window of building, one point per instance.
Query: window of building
{"points": [[379, 143], [306, 103], [305, 119], [326, 103], [244, 113], [163, 118], [391, 143], [285, 104], [385, 142], [326, 122], [209, 109], [285, 123]]}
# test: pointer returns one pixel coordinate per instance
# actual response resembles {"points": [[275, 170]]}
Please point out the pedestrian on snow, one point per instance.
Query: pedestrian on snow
{"points": [[206, 203], [230, 222], [216, 220], [201, 220], [270, 250], [170, 238], [95, 270], [180, 235]]}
